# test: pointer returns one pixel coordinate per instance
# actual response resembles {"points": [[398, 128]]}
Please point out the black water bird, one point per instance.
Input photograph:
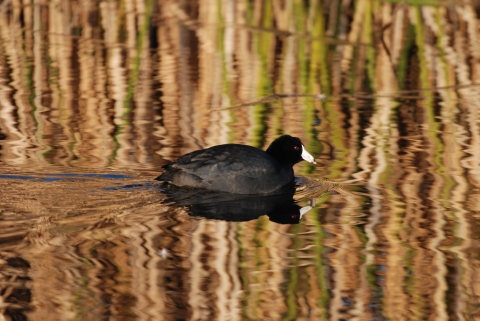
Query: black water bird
{"points": [[239, 169]]}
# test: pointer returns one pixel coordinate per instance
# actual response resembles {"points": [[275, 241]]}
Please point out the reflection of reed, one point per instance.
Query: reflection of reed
{"points": [[214, 293], [95, 127], [122, 83]]}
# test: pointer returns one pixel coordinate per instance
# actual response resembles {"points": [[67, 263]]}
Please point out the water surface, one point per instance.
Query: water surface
{"points": [[96, 96]]}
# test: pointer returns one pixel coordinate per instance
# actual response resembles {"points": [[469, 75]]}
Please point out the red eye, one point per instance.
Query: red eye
{"points": [[294, 215], [296, 147]]}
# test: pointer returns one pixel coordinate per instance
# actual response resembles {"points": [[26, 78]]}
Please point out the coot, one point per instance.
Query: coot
{"points": [[239, 169]]}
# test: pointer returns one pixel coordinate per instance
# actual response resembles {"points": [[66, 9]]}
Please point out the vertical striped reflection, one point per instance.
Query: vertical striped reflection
{"points": [[129, 85], [215, 292], [94, 140], [17, 89]]}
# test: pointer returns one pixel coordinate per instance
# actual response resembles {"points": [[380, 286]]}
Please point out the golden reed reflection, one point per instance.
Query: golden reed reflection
{"points": [[129, 85]]}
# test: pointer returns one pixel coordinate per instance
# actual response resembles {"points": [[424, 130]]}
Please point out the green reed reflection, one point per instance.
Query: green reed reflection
{"points": [[263, 44], [141, 46]]}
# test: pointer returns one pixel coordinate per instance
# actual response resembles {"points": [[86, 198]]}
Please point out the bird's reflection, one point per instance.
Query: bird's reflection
{"points": [[280, 208]]}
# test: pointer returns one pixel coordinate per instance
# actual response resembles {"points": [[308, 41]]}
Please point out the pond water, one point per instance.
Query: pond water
{"points": [[96, 96]]}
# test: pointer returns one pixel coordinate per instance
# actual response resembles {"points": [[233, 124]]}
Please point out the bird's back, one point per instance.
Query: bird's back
{"points": [[230, 168]]}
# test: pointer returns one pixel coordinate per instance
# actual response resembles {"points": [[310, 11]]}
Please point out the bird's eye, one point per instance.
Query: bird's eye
{"points": [[296, 147], [294, 216]]}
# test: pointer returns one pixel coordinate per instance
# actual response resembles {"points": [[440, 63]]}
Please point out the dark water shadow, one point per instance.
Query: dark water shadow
{"points": [[280, 208]]}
